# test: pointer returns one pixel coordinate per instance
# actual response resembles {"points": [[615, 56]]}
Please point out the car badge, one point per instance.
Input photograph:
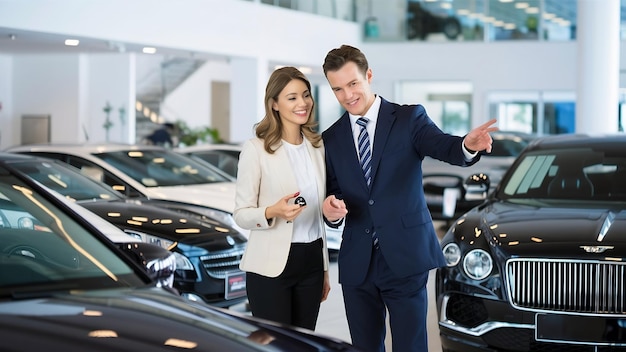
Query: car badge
{"points": [[596, 249], [230, 240]]}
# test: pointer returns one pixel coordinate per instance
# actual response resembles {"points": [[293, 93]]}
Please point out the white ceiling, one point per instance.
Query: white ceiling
{"points": [[14, 41]]}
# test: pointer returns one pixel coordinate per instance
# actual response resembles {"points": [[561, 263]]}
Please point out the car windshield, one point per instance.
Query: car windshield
{"points": [[225, 160], [161, 168], [68, 182], [42, 249], [582, 174]]}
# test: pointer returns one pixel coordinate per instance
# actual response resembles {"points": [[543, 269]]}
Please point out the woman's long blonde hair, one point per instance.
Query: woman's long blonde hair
{"points": [[269, 129]]}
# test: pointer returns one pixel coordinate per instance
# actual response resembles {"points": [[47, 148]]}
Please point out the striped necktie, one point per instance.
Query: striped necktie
{"points": [[365, 152], [365, 157]]}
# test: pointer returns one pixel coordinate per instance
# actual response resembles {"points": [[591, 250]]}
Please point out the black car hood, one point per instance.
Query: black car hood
{"points": [[524, 230], [178, 227], [141, 320]]}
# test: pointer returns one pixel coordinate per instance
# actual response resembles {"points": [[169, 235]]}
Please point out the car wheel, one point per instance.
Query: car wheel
{"points": [[451, 28]]}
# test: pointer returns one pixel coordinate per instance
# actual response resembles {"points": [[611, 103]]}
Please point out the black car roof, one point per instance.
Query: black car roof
{"points": [[608, 141]]}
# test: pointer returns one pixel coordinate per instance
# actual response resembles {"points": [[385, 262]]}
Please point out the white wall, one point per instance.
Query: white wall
{"points": [[47, 85], [110, 79], [191, 101], [73, 90]]}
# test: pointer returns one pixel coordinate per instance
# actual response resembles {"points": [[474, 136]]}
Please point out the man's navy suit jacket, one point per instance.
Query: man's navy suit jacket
{"points": [[394, 206]]}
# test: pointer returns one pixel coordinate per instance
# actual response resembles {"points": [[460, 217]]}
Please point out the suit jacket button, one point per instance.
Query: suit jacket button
{"points": [[370, 202], [367, 230], [258, 225]]}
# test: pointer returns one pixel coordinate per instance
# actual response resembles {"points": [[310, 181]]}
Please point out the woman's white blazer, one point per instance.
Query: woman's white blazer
{"points": [[263, 179]]}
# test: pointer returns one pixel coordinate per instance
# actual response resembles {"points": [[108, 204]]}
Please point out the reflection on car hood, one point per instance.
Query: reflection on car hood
{"points": [[141, 320], [167, 224], [556, 232], [221, 194]]}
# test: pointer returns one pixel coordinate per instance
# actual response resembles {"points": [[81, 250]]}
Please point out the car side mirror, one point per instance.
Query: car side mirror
{"points": [[476, 187]]}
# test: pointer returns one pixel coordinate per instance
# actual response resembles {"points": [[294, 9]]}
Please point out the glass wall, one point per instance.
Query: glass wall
{"points": [[534, 112], [447, 103], [340, 9], [452, 20], [491, 20]]}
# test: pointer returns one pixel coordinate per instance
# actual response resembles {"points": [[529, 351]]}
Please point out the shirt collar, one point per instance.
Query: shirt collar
{"points": [[371, 114]]}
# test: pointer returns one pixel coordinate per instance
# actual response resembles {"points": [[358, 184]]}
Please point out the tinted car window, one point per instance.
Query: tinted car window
{"points": [[156, 168], [578, 174], [61, 179], [225, 160], [89, 168], [40, 244]]}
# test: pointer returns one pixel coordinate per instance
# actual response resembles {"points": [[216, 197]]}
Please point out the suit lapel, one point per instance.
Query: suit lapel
{"points": [[386, 118]]}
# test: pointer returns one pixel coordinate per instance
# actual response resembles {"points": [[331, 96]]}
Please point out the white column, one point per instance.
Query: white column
{"points": [[247, 92], [598, 41]]}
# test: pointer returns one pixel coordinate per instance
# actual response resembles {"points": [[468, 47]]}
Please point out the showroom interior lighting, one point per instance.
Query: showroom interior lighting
{"points": [[72, 42]]}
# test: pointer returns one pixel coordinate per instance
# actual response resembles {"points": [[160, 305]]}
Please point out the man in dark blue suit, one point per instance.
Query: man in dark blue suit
{"points": [[374, 183]]}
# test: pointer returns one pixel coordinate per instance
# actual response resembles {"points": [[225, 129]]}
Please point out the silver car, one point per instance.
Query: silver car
{"points": [[153, 172]]}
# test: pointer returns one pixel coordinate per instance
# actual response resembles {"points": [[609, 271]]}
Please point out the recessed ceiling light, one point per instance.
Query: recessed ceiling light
{"points": [[72, 42], [149, 50]]}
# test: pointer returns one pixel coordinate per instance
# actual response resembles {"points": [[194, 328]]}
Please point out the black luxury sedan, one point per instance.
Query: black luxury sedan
{"points": [[65, 286], [207, 252], [540, 265]]}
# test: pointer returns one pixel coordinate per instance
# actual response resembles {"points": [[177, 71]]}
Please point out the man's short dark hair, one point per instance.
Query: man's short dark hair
{"points": [[336, 58]]}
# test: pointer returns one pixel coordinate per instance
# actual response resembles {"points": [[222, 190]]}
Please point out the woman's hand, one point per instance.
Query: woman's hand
{"points": [[283, 209]]}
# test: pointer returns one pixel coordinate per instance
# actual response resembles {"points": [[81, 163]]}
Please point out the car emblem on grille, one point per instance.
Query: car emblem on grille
{"points": [[596, 249], [230, 240]]}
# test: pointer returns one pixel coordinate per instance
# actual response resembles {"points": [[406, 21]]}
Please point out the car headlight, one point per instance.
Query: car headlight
{"points": [[478, 264], [452, 254], [182, 262]]}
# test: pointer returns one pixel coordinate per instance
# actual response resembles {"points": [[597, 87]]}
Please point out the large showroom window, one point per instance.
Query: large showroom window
{"points": [[469, 20], [534, 112], [447, 103]]}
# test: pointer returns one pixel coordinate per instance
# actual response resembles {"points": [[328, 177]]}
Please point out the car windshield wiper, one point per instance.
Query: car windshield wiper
{"points": [[37, 291]]}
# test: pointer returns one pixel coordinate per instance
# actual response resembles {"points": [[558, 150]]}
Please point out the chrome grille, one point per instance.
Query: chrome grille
{"points": [[567, 285], [218, 264]]}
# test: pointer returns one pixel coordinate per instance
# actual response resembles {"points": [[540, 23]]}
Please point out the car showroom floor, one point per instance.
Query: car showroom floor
{"points": [[332, 319]]}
